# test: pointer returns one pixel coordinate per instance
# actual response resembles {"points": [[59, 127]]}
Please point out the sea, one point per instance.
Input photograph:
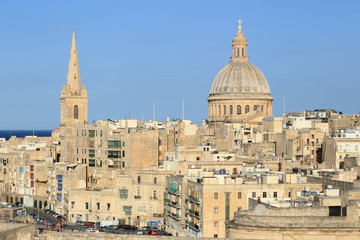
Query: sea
{"points": [[22, 133]]}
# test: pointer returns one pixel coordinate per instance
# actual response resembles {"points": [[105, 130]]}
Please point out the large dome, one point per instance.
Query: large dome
{"points": [[240, 78]]}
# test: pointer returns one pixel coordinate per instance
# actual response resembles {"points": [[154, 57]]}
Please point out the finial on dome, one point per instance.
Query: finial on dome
{"points": [[239, 25]]}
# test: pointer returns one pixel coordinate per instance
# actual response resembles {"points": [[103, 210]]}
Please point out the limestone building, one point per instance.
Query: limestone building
{"points": [[73, 105], [239, 92]]}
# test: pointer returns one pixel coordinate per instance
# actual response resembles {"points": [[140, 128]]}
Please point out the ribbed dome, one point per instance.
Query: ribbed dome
{"points": [[240, 78]]}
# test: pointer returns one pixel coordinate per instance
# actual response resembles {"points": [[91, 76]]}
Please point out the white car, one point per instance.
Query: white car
{"points": [[140, 232]]}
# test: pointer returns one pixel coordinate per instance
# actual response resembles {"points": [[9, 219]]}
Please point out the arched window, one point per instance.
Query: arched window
{"points": [[247, 109], [231, 110], [76, 112], [238, 109], [255, 108], [219, 110], [262, 108], [243, 52], [224, 110], [237, 52]]}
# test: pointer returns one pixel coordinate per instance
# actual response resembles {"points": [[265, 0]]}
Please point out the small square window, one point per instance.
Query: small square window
{"points": [[216, 210], [216, 224], [216, 195]]}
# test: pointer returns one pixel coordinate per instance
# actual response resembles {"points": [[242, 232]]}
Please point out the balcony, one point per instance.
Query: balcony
{"points": [[194, 199], [174, 216], [173, 191], [193, 213], [173, 204], [193, 226], [137, 197]]}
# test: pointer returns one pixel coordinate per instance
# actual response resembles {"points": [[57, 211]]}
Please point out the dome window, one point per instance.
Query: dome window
{"points": [[247, 109], [231, 110], [238, 109]]}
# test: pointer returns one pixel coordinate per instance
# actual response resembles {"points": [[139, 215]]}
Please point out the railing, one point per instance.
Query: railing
{"points": [[194, 199], [173, 190]]}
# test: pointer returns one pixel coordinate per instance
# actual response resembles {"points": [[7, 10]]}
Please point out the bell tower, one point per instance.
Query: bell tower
{"points": [[73, 105]]}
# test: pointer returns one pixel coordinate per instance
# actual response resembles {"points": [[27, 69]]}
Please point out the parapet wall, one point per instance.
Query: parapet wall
{"points": [[16, 231]]}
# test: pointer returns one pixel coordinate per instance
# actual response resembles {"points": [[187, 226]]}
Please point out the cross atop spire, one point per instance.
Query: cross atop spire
{"points": [[73, 77], [239, 25], [239, 45]]}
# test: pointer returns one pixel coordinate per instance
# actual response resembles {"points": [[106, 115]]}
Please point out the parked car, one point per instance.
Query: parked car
{"points": [[112, 227], [129, 227], [81, 223], [89, 230], [146, 228], [89, 224], [140, 232], [61, 219], [153, 232]]}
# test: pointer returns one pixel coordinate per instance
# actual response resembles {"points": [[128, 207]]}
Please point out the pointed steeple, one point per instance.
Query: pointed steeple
{"points": [[239, 45], [73, 77]]}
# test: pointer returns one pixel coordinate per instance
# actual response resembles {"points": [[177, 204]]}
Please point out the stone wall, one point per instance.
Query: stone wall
{"points": [[97, 236], [16, 231], [326, 181]]}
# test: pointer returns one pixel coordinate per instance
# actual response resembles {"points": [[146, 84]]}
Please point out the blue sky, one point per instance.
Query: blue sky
{"points": [[136, 53]]}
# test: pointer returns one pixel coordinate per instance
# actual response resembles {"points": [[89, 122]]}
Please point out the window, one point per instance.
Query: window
{"points": [[262, 108], [255, 108], [92, 163], [123, 193], [155, 180], [92, 133], [76, 112], [216, 224], [264, 194], [216, 195], [231, 110], [289, 195], [254, 194], [114, 144], [108, 206], [275, 194], [138, 179], [238, 109], [86, 205], [216, 210], [114, 154], [215, 236], [98, 206], [247, 109], [239, 195], [72, 204], [219, 110], [224, 110], [91, 153]]}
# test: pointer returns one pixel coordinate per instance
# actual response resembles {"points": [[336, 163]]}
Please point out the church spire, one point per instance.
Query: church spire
{"points": [[239, 45], [73, 77]]}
